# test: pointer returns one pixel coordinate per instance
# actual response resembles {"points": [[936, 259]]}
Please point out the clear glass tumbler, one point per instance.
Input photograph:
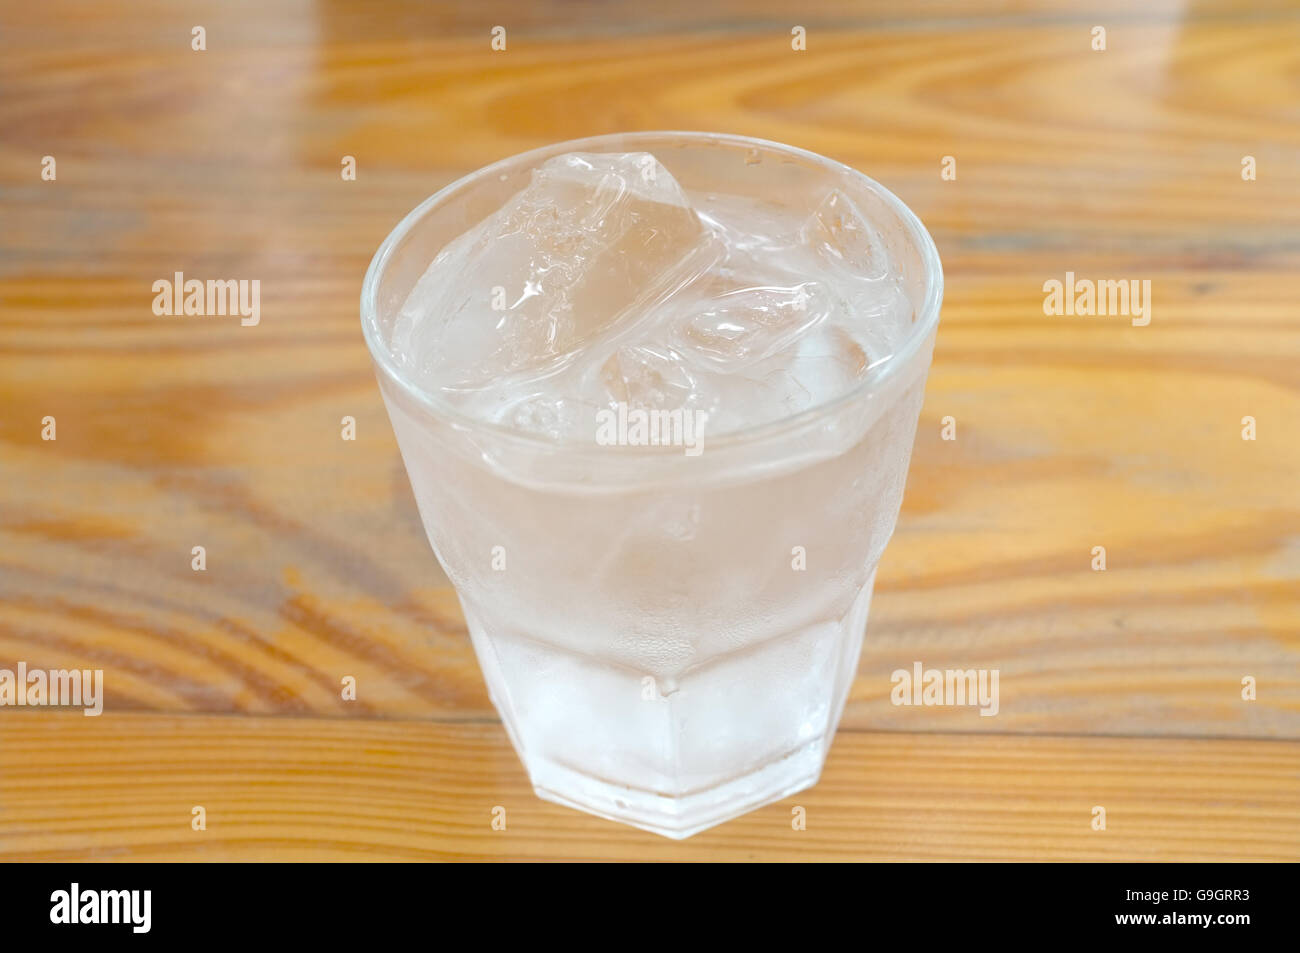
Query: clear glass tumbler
{"points": [[669, 640]]}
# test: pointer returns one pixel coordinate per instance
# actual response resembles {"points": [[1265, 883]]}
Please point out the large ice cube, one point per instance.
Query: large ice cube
{"points": [[592, 240]]}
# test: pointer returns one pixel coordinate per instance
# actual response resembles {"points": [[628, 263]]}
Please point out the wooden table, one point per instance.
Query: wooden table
{"points": [[1120, 688]]}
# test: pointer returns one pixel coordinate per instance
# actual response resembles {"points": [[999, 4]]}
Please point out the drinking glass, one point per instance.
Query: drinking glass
{"points": [[669, 639]]}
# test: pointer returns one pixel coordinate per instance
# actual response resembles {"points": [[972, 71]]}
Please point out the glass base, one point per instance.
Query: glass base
{"points": [[744, 729], [683, 815]]}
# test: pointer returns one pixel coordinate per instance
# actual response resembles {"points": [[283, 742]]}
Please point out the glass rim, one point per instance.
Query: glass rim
{"points": [[904, 356]]}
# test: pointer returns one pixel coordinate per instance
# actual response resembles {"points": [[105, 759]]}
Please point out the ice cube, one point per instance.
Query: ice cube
{"points": [[825, 364], [822, 364], [590, 238], [548, 415], [649, 376], [839, 232], [743, 326]]}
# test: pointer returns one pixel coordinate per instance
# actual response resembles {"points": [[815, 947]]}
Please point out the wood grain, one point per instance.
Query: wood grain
{"points": [[124, 788], [1071, 432]]}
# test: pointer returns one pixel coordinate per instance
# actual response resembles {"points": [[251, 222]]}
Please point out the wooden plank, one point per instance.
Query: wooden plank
{"points": [[123, 788]]}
